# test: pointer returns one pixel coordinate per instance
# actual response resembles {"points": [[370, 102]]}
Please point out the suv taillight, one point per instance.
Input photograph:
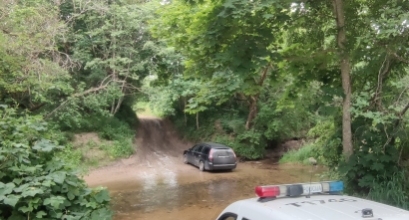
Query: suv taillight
{"points": [[211, 155]]}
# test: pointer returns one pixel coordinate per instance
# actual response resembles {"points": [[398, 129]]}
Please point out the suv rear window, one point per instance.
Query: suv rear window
{"points": [[223, 151]]}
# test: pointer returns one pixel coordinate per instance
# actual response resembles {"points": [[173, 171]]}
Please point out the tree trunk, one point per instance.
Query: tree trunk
{"points": [[254, 98], [184, 112], [197, 121], [252, 112], [118, 105], [345, 75]]}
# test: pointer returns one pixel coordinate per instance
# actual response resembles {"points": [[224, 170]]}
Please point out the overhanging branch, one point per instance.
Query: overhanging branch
{"points": [[86, 92], [404, 110]]}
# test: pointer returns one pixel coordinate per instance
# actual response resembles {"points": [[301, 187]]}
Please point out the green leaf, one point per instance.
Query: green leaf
{"points": [[71, 183], [54, 201], [378, 166], [70, 195], [102, 196], [58, 176], [17, 216], [32, 191], [11, 200], [21, 188], [101, 214], [26, 209], [17, 181], [40, 214], [92, 205], [47, 183], [44, 146], [6, 188], [71, 217]]}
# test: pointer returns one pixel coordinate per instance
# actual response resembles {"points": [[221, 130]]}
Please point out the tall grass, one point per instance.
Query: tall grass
{"points": [[301, 155], [394, 191]]}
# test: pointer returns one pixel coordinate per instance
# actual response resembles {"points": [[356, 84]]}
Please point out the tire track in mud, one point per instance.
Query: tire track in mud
{"points": [[158, 143], [158, 154]]}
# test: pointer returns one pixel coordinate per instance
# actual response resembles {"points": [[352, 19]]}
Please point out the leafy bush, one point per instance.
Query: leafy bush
{"points": [[393, 191], [118, 149], [249, 152], [114, 129], [233, 125], [127, 114], [188, 128], [245, 146], [374, 159], [325, 146], [70, 156], [34, 182], [118, 132], [251, 144], [327, 140], [301, 155]]}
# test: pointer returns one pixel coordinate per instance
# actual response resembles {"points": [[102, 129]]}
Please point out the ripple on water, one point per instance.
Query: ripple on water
{"points": [[169, 193]]}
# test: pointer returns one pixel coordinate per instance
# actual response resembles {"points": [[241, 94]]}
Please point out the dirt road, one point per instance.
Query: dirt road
{"points": [[156, 184], [158, 154]]}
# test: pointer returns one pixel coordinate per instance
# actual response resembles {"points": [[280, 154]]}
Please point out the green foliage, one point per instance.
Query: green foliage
{"points": [[144, 108], [187, 126], [327, 139], [370, 162], [324, 145], [251, 142], [115, 52], [301, 155], [126, 114], [228, 47], [393, 190], [331, 151], [34, 183], [114, 130], [32, 71], [233, 125], [241, 72], [280, 105], [71, 156], [162, 97], [120, 149], [242, 146], [116, 136], [227, 127], [377, 158]]}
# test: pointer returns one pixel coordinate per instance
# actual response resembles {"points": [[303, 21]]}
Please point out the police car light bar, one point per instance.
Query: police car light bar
{"points": [[299, 189]]}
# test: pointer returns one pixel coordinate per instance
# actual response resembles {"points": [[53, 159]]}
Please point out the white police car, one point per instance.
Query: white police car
{"points": [[309, 201]]}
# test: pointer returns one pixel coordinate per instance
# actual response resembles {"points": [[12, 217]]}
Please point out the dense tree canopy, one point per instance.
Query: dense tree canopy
{"points": [[250, 74], [262, 58]]}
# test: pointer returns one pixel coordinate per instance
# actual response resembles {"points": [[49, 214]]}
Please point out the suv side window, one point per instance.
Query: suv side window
{"points": [[206, 150], [199, 149], [228, 216], [195, 148]]}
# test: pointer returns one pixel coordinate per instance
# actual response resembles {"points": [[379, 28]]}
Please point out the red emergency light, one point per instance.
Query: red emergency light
{"points": [[267, 191]]}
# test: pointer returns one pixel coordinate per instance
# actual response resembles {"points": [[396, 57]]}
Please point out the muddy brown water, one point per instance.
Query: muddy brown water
{"points": [[155, 184], [190, 194]]}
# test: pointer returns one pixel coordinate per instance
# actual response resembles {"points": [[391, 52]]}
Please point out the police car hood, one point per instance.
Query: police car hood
{"points": [[329, 207]]}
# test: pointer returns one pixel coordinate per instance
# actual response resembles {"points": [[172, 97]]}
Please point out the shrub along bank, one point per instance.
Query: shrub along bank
{"points": [[35, 183]]}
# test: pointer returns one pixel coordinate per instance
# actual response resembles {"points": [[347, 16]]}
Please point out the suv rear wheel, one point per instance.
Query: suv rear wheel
{"points": [[201, 166]]}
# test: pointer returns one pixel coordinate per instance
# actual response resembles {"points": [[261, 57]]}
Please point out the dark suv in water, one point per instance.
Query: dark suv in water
{"points": [[211, 156]]}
